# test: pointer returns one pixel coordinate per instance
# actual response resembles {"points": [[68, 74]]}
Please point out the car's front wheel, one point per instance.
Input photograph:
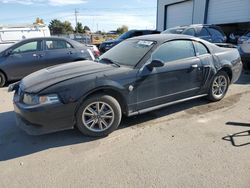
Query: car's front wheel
{"points": [[99, 115], [2, 79], [219, 86]]}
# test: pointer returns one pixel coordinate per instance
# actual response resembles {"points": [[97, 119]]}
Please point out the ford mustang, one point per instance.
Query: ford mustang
{"points": [[137, 76]]}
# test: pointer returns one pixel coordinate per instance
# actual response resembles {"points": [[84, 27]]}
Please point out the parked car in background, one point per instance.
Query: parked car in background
{"points": [[94, 49], [105, 46], [10, 34], [136, 76], [211, 33], [234, 36], [85, 40], [30, 55], [244, 49]]}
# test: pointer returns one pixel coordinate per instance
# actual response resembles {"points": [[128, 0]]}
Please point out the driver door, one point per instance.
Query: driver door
{"points": [[180, 77], [24, 59]]}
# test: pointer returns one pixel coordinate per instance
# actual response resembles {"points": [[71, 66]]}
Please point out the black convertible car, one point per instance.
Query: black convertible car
{"points": [[33, 54], [138, 75]]}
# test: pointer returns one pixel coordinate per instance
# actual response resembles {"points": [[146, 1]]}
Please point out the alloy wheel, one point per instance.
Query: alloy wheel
{"points": [[98, 116], [219, 87]]}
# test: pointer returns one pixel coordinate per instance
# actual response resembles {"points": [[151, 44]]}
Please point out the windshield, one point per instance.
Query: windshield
{"points": [[125, 35], [174, 31], [129, 52]]}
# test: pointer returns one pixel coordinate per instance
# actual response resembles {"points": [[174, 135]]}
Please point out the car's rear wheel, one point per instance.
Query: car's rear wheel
{"points": [[99, 115], [219, 86], [2, 79]]}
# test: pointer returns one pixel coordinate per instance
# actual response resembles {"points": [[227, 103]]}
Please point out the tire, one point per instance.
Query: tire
{"points": [[219, 86], [2, 79], [98, 122]]}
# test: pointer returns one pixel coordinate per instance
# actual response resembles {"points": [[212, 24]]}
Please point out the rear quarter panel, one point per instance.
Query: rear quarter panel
{"points": [[228, 58]]}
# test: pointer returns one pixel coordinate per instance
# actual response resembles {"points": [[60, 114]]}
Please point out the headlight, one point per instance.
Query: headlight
{"points": [[40, 100]]}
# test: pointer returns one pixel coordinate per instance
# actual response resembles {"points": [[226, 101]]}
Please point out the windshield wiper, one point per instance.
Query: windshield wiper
{"points": [[110, 61]]}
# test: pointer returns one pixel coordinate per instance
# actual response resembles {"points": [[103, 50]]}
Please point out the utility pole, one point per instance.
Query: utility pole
{"points": [[76, 12]]}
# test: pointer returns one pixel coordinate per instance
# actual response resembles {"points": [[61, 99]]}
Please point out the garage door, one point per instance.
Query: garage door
{"points": [[179, 14], [228, 11]]}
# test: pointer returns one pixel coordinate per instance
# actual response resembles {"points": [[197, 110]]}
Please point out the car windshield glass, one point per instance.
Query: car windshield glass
{"points": [[174, 31], [125, 36], [128, 53]]}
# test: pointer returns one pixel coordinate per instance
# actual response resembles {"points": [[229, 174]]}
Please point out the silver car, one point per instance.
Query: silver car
{"points": [[244, 49]]}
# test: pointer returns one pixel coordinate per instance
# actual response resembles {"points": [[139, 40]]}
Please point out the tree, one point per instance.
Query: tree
{"points": [[86, 29], [79, 28], [39, 21], [68, 27], [57, 27], [122, 29]]}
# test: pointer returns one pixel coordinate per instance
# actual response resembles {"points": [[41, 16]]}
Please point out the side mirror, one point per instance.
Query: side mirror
{"points": [[8, 52], [155, 63]]}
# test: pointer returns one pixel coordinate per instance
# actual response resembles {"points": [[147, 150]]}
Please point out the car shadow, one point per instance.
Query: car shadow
{"points": [[15, 143], [244, 78], [238, 139]]}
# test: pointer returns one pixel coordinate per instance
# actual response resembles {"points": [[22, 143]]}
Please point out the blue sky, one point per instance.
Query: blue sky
{"points": [[97, 14]]}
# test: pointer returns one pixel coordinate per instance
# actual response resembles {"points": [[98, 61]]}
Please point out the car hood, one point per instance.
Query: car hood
{"points": [[44, 78]]}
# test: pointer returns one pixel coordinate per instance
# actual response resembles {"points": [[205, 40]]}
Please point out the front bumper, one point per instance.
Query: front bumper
{"points": [[40, 120]]}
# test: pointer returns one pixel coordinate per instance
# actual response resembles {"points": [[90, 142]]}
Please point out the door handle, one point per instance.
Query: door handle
{"points": [[34, 55], [70, 52]]}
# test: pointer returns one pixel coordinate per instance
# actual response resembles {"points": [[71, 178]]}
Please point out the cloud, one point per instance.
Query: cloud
{"points": [[107, 20], [42, 2]]}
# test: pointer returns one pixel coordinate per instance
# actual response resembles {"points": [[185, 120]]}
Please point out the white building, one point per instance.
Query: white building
{"points": [[232, 15]]}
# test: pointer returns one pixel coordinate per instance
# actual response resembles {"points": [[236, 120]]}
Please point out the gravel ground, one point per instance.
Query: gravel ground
{"points": [[193, 144]]}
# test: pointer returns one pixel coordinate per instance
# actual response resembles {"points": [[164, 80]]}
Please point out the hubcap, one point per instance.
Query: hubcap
{"points": [[219, 86], [98, 116]]}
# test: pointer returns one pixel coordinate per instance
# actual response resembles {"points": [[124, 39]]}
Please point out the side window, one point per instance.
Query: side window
{"points": [[174, 50], [69, 45], [57, 44], [204, 32], [28, 47], [200, 49], [189, 32], [215, 32]]}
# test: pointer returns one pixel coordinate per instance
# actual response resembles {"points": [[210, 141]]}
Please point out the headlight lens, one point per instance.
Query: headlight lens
{"points": [[30, 99]]}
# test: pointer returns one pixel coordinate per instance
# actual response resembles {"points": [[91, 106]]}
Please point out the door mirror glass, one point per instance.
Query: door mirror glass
{"points": [[155, 63]]}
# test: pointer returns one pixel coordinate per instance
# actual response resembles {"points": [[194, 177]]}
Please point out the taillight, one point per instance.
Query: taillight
{"points": [[97, 53]]}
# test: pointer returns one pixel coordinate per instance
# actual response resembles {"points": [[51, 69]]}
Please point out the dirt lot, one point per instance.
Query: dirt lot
{"points": [[194, 144]]}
